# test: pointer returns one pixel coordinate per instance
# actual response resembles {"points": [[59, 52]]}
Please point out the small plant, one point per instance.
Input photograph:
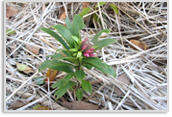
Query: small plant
{"points": [[77, 53]]}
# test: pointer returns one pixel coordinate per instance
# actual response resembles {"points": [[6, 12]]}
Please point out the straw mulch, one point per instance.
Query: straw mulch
{"points": [[141, 82]]}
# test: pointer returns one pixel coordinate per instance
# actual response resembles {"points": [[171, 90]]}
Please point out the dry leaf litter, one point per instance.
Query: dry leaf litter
{"points": [[141, 82]]}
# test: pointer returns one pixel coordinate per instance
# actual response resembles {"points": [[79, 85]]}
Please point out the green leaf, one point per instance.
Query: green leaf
{"points": [[40, 107], [78, 24], [58, 84], [80, 59], [65, 33], [74, 54], [114, 8], [76, 39], [76, 45], [10, 31], [105, 18], [67, 53], [59, 50], [63, 82], [97, 63], [59, 55], [100, 3], [73, 50], [95, 38], [80, 74], [71, 59], [79, 93], [56, 65], [69, 25], [21, 67], [96, 18], [56, 36], [103, 43], [88, 66], [39, 80], [68, 77], [62, 90], [86, 85], [79, 54], [56, 56], [85, 11]]}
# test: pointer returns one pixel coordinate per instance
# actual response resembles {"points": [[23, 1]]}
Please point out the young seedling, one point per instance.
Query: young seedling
{"points": [[77, 53]]}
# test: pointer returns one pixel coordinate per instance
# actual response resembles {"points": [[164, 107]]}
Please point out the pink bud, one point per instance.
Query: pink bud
{"points": [[85, 40], [92, 49], [86, 54], [89, 51], [91, 55], [84, 47]]}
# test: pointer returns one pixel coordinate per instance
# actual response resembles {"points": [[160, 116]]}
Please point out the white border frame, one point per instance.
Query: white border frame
{"points": [[85, 111]]}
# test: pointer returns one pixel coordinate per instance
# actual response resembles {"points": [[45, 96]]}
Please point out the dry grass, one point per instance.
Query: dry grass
{"points": [[146, 69]]}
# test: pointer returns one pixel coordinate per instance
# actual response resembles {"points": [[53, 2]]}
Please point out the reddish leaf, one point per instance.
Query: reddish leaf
{"points": [[95, 82], [50, 75], [17, 104], [33, 49], [143, 46], [124, 79], [135, 42], [85, 4], [80, 105], [62, 14], [139, 44], [11, 11]]}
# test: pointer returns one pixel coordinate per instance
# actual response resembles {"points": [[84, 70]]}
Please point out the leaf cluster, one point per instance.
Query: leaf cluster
{"points": [[71, 59]]}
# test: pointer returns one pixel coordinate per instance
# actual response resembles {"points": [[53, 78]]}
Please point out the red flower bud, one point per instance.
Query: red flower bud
{"points": [[85, 40], [91, 55], [92, 49], [84, 47], [89, 51], [86, 54]]}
